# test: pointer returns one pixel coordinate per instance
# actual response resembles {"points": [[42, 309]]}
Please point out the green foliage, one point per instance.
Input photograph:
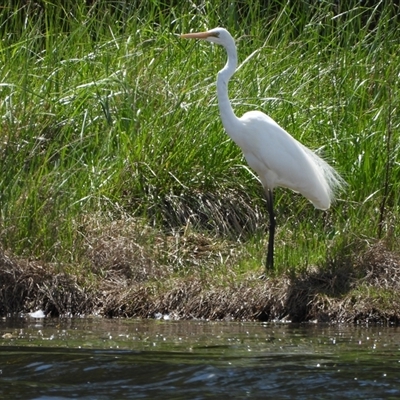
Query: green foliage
{"points": [[104, 108]]}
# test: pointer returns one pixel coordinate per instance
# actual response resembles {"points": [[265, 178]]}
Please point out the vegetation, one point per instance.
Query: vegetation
{"points": [[111, 138]]}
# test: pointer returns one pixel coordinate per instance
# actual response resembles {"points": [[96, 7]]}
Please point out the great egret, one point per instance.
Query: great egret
{"points": [[278, 158]]}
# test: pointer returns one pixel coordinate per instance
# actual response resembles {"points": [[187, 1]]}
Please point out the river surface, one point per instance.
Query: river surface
{"points": [[96, 358]]}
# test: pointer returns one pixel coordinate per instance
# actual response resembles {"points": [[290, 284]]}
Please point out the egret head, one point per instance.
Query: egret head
{"points": [[217, 35]]}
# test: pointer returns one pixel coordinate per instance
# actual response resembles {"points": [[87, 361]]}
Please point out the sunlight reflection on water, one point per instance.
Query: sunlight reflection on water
{"points": [[109, 359]]}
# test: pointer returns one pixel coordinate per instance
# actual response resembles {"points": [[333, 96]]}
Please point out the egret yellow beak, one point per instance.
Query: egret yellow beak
{"points": [[198, 35]]}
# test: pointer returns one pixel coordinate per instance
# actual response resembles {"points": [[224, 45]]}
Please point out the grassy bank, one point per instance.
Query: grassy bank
{"points": [[108, 118]]}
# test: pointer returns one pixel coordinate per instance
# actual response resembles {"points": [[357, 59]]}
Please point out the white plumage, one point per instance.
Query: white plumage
{"points": [[278, 158]]}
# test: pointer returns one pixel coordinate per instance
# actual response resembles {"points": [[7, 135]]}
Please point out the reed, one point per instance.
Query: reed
{"points": [[105, 110]]}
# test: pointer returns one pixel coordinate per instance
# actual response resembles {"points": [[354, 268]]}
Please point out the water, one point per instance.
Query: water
{"points": [[134, 359]]}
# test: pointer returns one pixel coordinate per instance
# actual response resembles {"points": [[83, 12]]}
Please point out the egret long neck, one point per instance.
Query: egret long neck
{"points": [[229, 119]]}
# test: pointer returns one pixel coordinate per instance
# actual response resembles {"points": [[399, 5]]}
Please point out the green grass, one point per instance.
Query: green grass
{"points": [[105, 110]]}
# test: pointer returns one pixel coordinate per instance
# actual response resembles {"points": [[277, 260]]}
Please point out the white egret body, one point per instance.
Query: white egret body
{"points": [[278, 158]]}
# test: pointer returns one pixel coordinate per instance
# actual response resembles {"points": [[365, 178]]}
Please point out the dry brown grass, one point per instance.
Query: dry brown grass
{"points": [[28, 285], [133, 270], [367, 291]]}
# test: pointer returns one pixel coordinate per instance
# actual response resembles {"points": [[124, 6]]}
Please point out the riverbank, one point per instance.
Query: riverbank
{"points": [[182, 277], [121, 194]]}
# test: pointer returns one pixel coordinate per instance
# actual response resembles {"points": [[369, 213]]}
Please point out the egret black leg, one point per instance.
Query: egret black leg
{"points": [[270, 254]]}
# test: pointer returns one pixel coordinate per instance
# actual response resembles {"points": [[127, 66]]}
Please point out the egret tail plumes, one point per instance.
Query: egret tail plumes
{"points": [[278, 158], [330, 179]]}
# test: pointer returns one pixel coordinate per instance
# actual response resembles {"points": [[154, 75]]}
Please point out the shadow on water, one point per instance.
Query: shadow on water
{"points": [[110, 359]]}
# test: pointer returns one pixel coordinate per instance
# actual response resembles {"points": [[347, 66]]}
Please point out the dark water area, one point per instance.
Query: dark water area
{"points": [[161, 359]]}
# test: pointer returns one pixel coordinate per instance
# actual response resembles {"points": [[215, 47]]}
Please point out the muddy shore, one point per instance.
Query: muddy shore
{"points": [[366, 291]]}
